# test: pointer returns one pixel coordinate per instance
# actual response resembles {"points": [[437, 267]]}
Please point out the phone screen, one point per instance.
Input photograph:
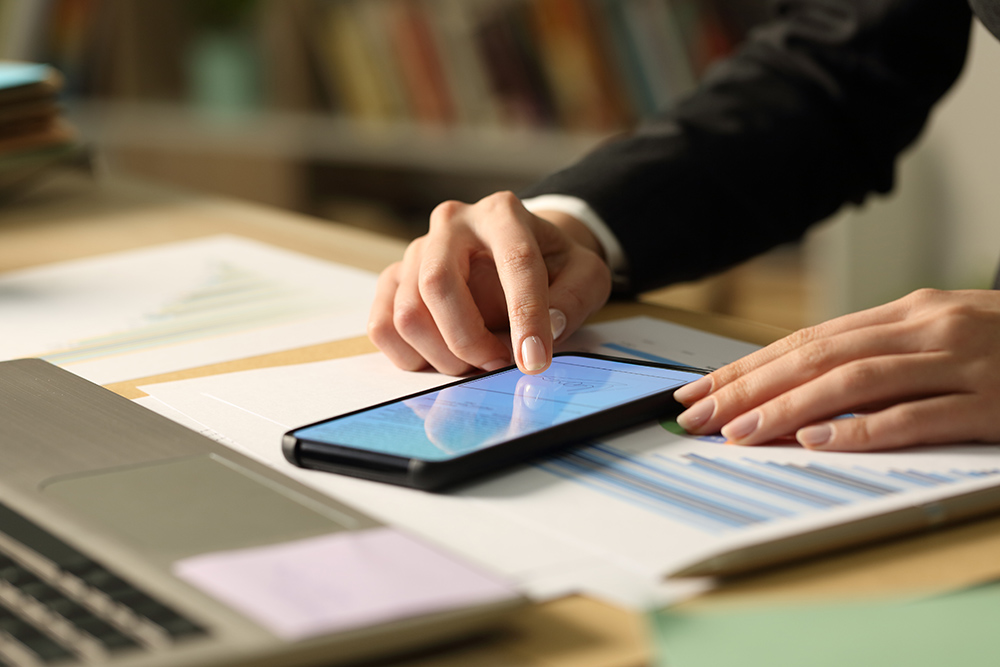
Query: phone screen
{"points": [[485, 411]]}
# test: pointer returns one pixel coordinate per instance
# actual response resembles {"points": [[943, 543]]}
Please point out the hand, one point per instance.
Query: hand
{"points": [[924, 369], [482, 268]]}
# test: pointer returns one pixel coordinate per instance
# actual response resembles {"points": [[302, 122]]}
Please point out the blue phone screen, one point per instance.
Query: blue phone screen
{"points": [[486, 411]]}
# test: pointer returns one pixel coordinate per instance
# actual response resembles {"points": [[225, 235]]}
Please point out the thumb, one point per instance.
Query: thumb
{"points": [[576, 292]]}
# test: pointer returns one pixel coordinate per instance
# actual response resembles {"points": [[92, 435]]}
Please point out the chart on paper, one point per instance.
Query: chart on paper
{"points": [[614, 520], [232, 298], [142, 312], [717, 494]]}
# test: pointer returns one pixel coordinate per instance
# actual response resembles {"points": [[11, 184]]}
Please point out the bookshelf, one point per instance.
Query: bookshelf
{"points": [[465, 96], [311, 137]]}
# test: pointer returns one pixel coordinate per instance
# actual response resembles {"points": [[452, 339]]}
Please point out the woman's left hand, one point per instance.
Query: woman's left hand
{"points": [[924, 369]]}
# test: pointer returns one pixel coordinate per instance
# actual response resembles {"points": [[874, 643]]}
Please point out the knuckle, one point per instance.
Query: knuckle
{"points": [[908, 418], [903, 423], [860, 433], [813, 358], [445, 212], [738, 392], [518, 257], [434, 280], [389, 278], [392, 270], [465, 347], [380, 330], [857, 376], [407, 319], [504, 199], [805, 336], [525, 310], [922, 297], [954, 326], [413, 251]]}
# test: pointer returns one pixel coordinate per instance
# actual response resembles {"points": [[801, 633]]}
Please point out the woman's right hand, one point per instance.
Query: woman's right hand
{"points": [[482, 268]]}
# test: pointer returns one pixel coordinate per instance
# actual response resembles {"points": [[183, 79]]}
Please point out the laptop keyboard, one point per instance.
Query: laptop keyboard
{"points": [[59, 606]]}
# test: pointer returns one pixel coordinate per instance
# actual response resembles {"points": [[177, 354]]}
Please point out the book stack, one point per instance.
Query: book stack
{"points": [[587, 65], [33, 134]]}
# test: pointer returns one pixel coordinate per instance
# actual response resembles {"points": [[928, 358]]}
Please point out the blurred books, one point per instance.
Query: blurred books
{"points": [[33, 134], [590, 65], [567, 65]]}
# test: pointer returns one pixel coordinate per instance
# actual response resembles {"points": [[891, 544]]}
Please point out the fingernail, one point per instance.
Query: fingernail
{"points": [[496, 364], [742, 426], [814, 436], [533, 354], [558, 320], [694, 391], [698, 414]]}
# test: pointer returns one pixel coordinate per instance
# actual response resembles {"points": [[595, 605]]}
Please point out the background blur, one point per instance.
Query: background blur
{"points": [[369, 112]]}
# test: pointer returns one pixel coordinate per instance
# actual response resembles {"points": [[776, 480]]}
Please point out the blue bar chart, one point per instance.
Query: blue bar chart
{"points": [[716, 494]]}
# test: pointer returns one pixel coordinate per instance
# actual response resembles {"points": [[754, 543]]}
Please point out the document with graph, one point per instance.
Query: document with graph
{"points": [[612, 518], [153, 310]]}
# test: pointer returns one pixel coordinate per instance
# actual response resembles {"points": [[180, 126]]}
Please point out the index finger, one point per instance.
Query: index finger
{"points": [[509, 231]]}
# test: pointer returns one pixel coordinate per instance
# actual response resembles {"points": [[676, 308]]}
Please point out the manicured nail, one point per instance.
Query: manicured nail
{"points": [[694, 391], [814, 436], [558, 320], [742, 426], [496, 364], [696, 415], [533, 354]]}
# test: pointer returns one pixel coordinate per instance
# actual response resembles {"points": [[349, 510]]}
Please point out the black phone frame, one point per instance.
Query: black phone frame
{"points": [[440, 475]]}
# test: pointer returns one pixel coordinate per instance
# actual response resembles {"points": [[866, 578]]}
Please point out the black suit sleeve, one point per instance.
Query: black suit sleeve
{"points": [[809, 114]]}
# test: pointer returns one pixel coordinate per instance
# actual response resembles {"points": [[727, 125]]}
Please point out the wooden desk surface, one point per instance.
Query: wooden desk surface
{"points": [[71, 217]]}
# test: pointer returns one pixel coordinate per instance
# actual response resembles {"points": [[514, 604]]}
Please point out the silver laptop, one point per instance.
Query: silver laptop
{"points": [[106, 510]]}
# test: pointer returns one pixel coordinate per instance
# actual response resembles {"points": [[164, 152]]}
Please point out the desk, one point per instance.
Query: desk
{"points": [[70, 217]]}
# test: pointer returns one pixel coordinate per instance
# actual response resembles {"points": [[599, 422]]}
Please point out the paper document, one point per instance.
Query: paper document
{"points": [[181, 305], [611, 519]]}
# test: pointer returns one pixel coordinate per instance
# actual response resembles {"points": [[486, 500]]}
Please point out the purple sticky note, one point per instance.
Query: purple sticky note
{"points": [[340, 581]]}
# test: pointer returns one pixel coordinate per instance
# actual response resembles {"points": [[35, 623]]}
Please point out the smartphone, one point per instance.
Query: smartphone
{"points": [[452, 434]]}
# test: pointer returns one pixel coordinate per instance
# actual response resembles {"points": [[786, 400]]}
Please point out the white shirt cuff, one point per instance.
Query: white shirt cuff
{"points": [[579, 209]]}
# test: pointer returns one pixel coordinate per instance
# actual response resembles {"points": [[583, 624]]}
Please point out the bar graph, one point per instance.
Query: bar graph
{"points": [[233, 298], [717, 494]]}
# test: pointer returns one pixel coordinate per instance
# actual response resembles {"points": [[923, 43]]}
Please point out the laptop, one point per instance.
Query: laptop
{"points": [[127, 539]]}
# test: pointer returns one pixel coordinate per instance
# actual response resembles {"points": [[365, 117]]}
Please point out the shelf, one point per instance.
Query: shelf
{"points": [[176, 128]]}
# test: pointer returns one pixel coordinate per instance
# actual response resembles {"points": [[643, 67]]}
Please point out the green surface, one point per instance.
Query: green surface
{"points": [[961, 628]]}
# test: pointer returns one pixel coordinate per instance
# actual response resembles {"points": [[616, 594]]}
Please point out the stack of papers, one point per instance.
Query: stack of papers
{"points": [[612, 519]]}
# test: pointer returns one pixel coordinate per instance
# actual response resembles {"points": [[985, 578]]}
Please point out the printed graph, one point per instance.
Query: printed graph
{"points": [[233, 298], [717, 494]]}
